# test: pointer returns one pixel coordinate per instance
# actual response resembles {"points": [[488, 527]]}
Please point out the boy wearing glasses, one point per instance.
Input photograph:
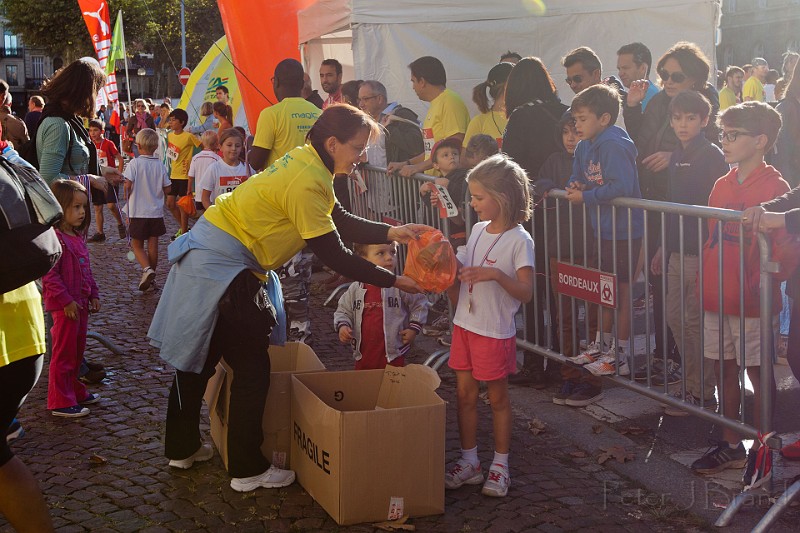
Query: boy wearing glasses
{"points": [[748, 132]]}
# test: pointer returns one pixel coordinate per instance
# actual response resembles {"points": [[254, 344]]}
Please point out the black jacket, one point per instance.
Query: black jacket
{"points": [[403, 135], [651, 131]]}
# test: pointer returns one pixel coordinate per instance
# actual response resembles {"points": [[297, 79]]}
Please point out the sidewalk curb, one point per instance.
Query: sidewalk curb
{"points": [[658, 474]]}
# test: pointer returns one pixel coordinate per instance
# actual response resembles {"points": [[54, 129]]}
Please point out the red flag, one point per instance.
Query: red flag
{"points": [[98, 22]]}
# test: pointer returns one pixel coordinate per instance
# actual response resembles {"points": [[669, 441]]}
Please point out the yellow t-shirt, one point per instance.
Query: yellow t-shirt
{"points": [[179, 152], [284, 126], [492, 124], [727, 98], [754, 90], [447, 116], [21, 324], [275, 211]]}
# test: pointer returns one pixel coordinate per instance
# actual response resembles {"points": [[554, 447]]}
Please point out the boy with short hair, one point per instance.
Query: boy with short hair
{"points": [[694, 167], [446, 156], [180, 146], [146, 184], [380, 323], [604, 169], [107, 156], [201, 162], [748, 131]]}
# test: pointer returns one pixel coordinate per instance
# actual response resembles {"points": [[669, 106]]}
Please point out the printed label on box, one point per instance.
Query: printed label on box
{"points": [[395, 508]]}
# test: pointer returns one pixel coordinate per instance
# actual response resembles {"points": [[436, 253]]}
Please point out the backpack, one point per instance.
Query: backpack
{"points": [[29, 246]]}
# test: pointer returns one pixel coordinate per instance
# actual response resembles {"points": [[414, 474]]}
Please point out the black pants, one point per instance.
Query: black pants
{"points": [[241, 336], [16, 381]]}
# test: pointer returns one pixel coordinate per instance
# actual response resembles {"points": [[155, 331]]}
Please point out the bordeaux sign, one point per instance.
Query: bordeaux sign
{"points": [[594, 286]]}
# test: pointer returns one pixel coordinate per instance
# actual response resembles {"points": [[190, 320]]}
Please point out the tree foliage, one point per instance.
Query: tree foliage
{"points": [[151, 26]]}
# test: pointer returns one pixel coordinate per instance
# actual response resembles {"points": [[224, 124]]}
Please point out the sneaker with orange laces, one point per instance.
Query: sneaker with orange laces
{"points": [[791, 451], [497, 482], [463, 473]]}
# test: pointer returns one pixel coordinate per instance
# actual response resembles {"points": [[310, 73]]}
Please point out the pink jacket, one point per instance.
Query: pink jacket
{"points": [[64, 283]]}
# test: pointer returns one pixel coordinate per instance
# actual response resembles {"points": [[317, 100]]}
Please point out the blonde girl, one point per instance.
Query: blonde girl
{"points": [[496, 277], [226, 174], [70, 294]]}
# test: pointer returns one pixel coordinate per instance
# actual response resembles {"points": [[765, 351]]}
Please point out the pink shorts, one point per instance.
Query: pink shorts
{"points": [[488, 358]]}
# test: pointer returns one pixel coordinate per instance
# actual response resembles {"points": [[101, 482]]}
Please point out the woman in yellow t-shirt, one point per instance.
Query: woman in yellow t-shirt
{"points": [[213, 304], [492, 120]]}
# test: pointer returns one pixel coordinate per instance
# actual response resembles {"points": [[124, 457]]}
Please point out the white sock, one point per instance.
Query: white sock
{"points": [[608, 338], [471, 456], [501, 459]]}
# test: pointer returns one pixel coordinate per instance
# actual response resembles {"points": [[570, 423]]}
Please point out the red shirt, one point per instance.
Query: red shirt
{"points": [[335, 98], [108, 152], [373, 344]]}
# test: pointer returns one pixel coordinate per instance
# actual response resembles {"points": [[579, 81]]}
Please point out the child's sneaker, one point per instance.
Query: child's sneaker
{"points": [[273, 478], [497, 482], [15, 431], [463, 473], [92, 398], [123, 233], [591, 354], [583, 394], [204, 453], [76, 411], [567, 388], [716, 459], [608, 363], [148, 275], [97, 237]]}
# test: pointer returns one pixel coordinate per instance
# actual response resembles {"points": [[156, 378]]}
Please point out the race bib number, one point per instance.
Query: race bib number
{"points": [[447, 207], [427, 139], [172, 152], [229, 183], [103, 161]]}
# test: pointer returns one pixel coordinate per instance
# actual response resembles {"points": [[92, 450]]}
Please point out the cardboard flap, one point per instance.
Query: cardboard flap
{"points": [[408, 385]]}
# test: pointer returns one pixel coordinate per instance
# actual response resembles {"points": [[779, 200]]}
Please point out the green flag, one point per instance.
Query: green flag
{"points": [[117, 50]]}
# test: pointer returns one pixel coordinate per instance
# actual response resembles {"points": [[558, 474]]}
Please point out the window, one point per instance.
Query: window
{"points": [[10, 43], [11, 75], [37, 67]]}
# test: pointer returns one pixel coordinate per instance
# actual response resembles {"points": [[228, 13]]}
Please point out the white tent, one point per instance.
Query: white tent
{"points": [[379, 38]]}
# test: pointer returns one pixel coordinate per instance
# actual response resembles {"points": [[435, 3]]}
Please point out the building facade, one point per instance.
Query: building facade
{"points": [[24, 68], [758, 28]]}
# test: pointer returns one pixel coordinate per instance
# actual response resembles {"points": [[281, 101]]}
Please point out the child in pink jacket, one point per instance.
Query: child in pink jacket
{"points": [[70, 294]]}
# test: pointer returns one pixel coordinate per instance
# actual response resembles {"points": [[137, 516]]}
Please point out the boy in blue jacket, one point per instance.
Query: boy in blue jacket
{"points": [[604, 169], [694, 167]]}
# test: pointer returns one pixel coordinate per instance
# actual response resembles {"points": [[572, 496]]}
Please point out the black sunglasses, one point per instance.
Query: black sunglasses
{"points": [[576, 79], [677, 77]]}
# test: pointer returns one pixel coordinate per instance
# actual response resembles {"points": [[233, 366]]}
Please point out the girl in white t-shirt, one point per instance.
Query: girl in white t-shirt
{"points": [[200, 163], [228, 173], [496, 277]]}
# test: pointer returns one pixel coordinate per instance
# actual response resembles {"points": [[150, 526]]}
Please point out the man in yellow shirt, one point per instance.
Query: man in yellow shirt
{"points": [[180, 148], [284, 125], [731, 94], [447, 115], [754, 86]]}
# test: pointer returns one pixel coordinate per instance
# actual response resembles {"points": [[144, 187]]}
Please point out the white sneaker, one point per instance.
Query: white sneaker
{"points": [[591, 354], [204, 453], [273, 478], [608, 363], [463, 473], [497, 482], [148, 275]]}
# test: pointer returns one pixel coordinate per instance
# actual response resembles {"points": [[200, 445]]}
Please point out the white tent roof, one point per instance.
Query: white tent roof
{"points": [[470, 36]]}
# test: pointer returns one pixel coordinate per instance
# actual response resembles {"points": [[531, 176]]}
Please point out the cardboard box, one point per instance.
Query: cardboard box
{"points": [[369, 445], [286, 360]]}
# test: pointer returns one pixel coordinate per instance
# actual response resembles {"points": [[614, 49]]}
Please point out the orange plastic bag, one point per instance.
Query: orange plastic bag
{"points": [[431, 262], [186, 203]]}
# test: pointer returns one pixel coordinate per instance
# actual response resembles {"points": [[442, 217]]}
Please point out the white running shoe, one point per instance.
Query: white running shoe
{"points": [[204, 453], [607, 364], [497, 482], [273, 478], [591, 354], [463, 473], [148, 275]]}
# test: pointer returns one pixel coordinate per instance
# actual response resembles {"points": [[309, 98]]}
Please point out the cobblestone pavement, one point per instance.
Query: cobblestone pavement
{"points": [[107, 472]]}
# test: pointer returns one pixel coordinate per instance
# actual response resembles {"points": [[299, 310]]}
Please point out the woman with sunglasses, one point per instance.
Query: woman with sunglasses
{"points": [[137, 122], [213, 302], [682, 67]]}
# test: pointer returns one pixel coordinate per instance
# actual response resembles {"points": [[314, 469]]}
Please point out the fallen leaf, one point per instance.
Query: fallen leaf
{"points": [[597, 428], [97, 459], [615, 452], [633, 430], [578, 453], [536, 426], [394, 525]]}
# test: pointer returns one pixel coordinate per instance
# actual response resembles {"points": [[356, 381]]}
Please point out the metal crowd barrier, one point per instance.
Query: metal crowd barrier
{"points": [[394, 199]]}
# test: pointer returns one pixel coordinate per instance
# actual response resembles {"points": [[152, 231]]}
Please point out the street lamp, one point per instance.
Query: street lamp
{"points": [[142, 73]]}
